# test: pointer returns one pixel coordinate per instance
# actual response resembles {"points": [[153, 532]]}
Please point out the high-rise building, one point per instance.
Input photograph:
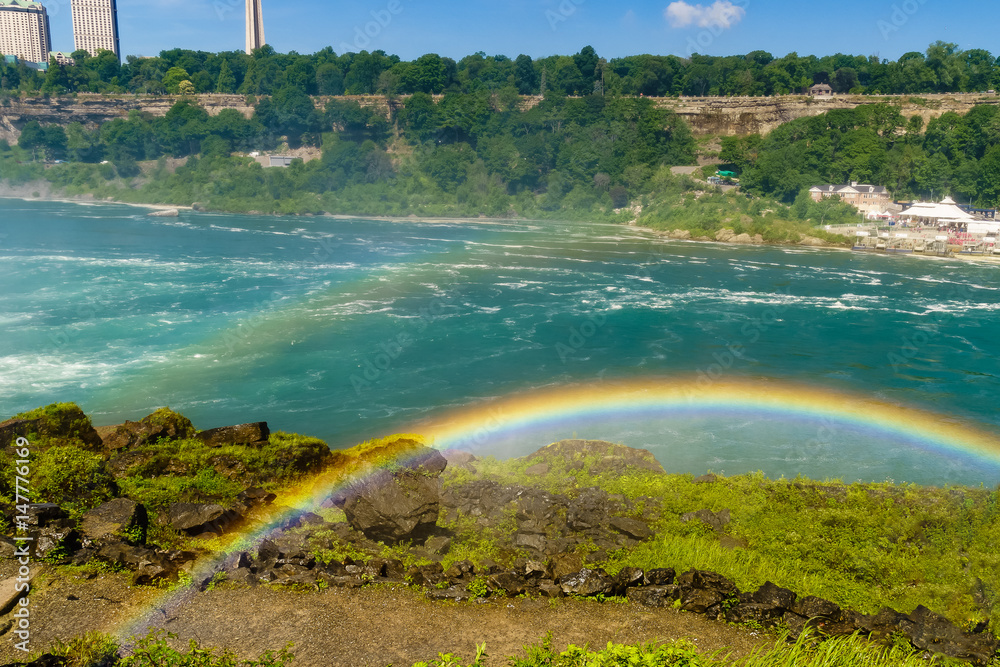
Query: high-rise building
{"points": [[24, 30], [95, 26], [255, 26]]}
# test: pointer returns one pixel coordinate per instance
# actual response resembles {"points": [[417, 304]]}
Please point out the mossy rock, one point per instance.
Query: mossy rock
{"points": [[164, 424], [55, 424]]}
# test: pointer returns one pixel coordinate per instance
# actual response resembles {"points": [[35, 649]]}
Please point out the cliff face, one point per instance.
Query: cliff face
{"points": [[749, 115], [706, 115]]}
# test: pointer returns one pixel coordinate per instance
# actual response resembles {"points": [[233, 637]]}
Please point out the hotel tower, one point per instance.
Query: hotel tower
{"points": [[95, 26], [255, 26], [24, 30]]}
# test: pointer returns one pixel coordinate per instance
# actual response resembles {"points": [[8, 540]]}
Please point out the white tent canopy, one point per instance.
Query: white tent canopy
{"points": [[946, 208], [984, 227]]}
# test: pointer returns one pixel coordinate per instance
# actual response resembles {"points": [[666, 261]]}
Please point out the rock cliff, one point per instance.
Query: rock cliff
{"points": [[706, 115]]}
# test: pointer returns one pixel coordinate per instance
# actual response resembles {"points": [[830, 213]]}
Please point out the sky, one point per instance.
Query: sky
{"points": [[456, 28]]}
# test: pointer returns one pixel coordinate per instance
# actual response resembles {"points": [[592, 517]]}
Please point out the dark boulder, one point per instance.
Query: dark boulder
{"points": [[12, 429], [628, 577], [653, 596], [707, 580], [425, 575], [932, 632], [633, 528], [392, 507], [115, 519], [439, 544], [51, 538], [564, 564], [660, 576], [530, 541], [164, 424], [764, 614], [715, 520], [772, 595], [704, 592], [811, 606], [42, 515], [200, 518], [425, 460], [587, 583], [462, 570], [460, 459], [253, 434], [510, 584]]}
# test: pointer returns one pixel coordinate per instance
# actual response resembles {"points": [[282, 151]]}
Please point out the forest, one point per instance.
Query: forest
{"points": [[942, 68]]}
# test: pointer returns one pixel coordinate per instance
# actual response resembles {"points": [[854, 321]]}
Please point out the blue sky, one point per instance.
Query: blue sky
{"points": [[457, 28]]}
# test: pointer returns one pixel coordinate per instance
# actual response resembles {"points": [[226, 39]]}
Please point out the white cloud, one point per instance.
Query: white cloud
{"points": [[721, 14]]}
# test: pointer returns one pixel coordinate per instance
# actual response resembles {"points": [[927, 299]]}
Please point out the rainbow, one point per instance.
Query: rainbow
{"points": [[575, 407]]}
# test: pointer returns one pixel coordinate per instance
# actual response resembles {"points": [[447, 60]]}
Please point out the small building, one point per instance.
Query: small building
{"points": [[821, 89], [62, 58], [274, 160], [280, 160], [866, 198]]}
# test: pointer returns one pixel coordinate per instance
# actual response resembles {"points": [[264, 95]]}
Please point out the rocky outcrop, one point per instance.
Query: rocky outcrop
{"points": [[601, 456], [200, 518], [727, 235], [392, 506], [115, 519], [254, 434], [12, 429], [164, 424], [165, 213], [62, 423]]}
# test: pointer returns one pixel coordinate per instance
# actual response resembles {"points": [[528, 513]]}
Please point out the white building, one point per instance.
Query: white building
{"points": [[95, 26], [24, 30]]}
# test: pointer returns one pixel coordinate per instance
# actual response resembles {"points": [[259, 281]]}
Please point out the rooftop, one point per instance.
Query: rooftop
{"points": [[23, 4]]}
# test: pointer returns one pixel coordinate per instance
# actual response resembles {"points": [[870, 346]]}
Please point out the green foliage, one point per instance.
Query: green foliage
{"points": [[93, 649], [155, 651], [449, 660], [71, 476]]}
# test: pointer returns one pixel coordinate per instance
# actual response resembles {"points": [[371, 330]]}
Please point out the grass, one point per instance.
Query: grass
{"points": [[807, 651], [862, 546]]}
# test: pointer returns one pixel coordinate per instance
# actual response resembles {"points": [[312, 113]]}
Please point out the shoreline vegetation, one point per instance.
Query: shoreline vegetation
{"points": [[144, 506]]}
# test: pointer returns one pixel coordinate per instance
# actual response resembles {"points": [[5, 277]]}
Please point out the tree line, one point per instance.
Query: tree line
{"points": [[942, 68], [953, 155]]}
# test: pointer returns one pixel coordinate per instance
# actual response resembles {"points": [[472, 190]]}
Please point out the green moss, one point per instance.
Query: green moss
{"points": [[72, 477], [61, 423]]}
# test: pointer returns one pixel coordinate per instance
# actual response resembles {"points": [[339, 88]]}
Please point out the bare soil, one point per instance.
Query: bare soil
{"points": [[374, 626]]}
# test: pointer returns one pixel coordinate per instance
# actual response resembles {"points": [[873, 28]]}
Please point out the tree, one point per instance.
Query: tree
{"points": [[329, 80], [226, 82], [173, 78], [32, 137], [525, 75]]}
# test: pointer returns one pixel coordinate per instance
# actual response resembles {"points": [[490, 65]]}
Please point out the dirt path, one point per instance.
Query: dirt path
{"points": [[375, 626]]}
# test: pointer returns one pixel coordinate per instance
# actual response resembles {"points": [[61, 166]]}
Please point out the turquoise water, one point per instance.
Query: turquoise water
{"points": [[351, 329]]}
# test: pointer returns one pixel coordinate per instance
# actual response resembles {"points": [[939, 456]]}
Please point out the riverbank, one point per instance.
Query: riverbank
{"points": [[186, 530], [44, 191]]}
